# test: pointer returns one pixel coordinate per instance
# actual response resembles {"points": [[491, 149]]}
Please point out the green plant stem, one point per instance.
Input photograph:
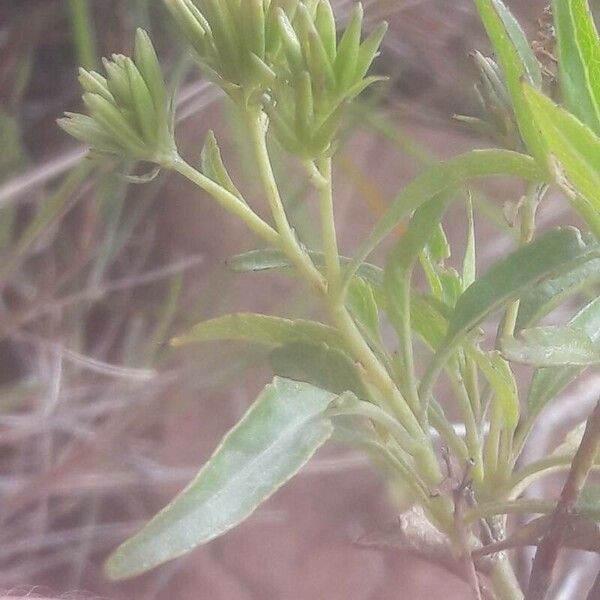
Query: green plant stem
{"points": [[527, 214], [375, 371], [507, 507], [536, 470], [83, 33], [330, 246], [381, 416], [406, 348], [472, 439], [227, 200], [472, 386], [255, 121], [506, 586], [491, 450]]}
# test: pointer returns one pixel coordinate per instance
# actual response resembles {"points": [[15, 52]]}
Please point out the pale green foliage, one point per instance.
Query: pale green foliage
{"points": [[290, 73], [278, 434]]}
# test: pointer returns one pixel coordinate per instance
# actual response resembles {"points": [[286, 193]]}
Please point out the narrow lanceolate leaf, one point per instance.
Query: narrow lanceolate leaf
{"points": [[572, 144], [402, 259], [269, 259], [429, 319], [274, 439], [442, 177], [551, 293], [363, 306], [469, 271], [262, 329], [518, 63], [547, 383], [513, 275], [319, 365], [213, 166], [550, 346], [578, 48]]}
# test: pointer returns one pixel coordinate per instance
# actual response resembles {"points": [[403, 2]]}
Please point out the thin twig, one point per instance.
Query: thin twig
{"points": [[549, 547]]}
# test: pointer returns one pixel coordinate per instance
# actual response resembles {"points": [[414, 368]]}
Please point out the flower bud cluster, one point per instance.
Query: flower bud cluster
{"points": [[285, 56], [129, 112], [280, 56], [498, 119]]}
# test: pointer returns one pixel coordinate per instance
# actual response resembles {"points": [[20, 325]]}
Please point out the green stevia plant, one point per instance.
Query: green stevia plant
{"points": [[291, 74]]}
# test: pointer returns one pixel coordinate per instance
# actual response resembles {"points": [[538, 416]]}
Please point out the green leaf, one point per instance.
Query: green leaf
{"points": [[213, 167], [263, 329], [273, 440], [578, 48], [401, 261], [469, 270], [363, 306], [502, 381], [441, 177], [438, 245], [550, 346], [573, 145], [518, 63], [320, 365], [346, 61], [428, 319], [572, 441], [369, 50], [549, 294], [149, 67], [511, 276], [268, 259], [546, 384]]}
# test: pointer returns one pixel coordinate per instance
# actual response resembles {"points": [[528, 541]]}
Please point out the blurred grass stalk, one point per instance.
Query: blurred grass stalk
{"points": [[83, 32]]}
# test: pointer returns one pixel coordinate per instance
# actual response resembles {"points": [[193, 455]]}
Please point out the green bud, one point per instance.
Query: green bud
{"points": [[315, 55], [191, 22], [347, 54], [254, 28], [117, 81], [129, 115], [320, 66], [87, 130], [369, 50], [496, 105], [325, 24], [107, 114], [147, 63], [94, 83], [291, 43], [144, 110]]}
